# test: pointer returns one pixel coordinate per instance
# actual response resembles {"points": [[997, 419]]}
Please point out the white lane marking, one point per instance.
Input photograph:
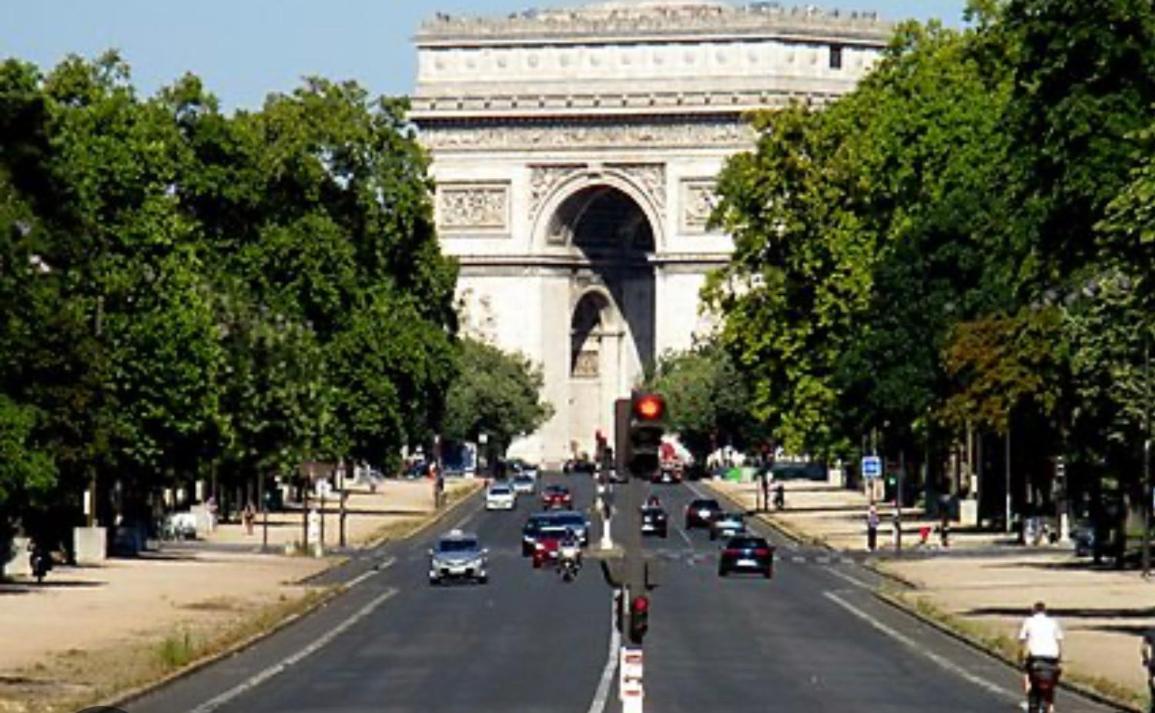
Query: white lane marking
{"points": [[257, 679], [366, 575], [463, 522], [798, 559], [689, 542], [921, 650], [852, 580], [602, 695]]}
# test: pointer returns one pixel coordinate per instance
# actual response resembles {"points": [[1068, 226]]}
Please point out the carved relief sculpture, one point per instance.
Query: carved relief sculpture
{"points": [[473, 207], [699, 198]]}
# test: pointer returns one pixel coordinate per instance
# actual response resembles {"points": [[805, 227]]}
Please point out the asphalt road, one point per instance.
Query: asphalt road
{"points": [[811, 639]]}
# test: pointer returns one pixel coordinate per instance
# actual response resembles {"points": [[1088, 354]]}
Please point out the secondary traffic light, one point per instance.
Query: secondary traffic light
{"points": [[647, 425], [639, 618]]}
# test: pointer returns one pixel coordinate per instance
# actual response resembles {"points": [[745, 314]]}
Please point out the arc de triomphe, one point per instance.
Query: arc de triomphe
{"points": [[574, 153]]}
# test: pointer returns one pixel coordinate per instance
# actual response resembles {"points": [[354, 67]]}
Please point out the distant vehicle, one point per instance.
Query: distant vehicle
{"points": [[416, 471], [700, 512], [179, 526], [655, 521], [1083, 535], [556, 497], [579, 467], [727, 524], [523, 484], [669, 473], [746, 553], [458, 556], [500, 496]]}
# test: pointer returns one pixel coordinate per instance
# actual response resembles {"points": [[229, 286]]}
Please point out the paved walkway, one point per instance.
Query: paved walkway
{"points": [[987, 582], [97, 628]]}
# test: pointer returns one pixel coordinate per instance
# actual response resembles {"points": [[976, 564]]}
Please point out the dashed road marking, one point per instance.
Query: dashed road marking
{"points": [[386, 564], [280, 667], [852, 580], [922, 650]]}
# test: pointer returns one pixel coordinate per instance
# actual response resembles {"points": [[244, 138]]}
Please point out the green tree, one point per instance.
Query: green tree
{"points": [[708, 403], [495, 393]]}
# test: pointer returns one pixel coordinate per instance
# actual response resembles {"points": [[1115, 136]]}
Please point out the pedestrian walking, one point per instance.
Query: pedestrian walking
{"points": [[248, 515], [872, 528]]}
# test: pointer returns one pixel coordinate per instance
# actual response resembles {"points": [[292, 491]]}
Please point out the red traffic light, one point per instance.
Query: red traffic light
{"points": [[650, 407], [640, 605]]}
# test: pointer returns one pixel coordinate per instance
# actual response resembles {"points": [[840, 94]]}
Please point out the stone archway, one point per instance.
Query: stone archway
{"points": [[612, 304]]}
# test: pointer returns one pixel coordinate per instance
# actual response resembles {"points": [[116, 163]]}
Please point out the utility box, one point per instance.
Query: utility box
{"points": [[91, 545]]}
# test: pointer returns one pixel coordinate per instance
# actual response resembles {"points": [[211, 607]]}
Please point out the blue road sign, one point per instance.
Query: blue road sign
{"points": [[871, 467]]}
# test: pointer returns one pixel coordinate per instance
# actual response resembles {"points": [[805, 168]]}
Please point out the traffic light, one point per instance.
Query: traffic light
{"points": [[647, 425], [639, 618]]}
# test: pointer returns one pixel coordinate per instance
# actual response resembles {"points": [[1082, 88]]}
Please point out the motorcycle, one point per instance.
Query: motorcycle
{"points": [[41, 562], [1043, 675], [568, 563]]}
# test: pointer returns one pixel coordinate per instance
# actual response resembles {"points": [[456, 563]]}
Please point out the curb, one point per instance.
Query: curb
{"points": [[328, 594], [1077, 688]]}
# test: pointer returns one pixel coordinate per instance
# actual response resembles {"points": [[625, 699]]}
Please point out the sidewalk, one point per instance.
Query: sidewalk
{"points": [[988, 587], [368, 516], [92, 630]]}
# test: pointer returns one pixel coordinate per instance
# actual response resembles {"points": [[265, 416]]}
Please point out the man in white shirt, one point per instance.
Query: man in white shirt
{"points": [[1041, 639]]}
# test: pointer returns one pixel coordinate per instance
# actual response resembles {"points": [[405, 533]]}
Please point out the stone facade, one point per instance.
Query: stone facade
{"points": [[575, 152]]}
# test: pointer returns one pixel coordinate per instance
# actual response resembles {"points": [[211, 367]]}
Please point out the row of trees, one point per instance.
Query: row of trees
{"points": [[965, 241], [188, 294]]}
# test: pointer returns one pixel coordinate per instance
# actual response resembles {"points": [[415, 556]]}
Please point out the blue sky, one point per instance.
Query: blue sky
{"points": [[244, 49]]}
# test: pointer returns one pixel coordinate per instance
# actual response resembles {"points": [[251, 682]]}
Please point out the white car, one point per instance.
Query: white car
{"points": [[524, 484], [500, 497]]}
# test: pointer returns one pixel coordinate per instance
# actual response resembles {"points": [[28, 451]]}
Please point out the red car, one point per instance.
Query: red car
{"points": [[557, 497], [545, 545]]}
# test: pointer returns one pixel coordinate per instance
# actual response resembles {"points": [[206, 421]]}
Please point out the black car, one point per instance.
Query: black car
{"points": [[701, 512], [654, 521], [747, 553]]}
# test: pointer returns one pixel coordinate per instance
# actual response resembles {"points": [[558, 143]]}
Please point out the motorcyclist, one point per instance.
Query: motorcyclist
{"points": [[653, 502], [1041, 641], [569, 549]]}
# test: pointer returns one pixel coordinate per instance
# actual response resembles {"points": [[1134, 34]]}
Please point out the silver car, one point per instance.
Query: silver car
{"points": [[730, 524], [458, 556], [523, 484]]}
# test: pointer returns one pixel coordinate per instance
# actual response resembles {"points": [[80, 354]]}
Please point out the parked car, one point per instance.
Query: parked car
{"points": [[746, 553]]}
